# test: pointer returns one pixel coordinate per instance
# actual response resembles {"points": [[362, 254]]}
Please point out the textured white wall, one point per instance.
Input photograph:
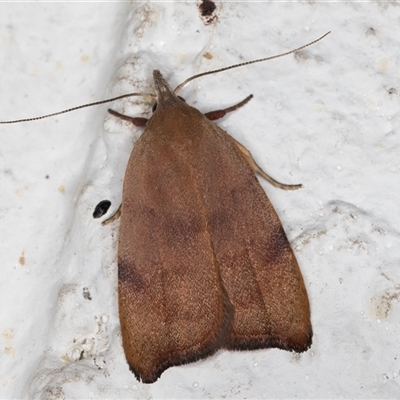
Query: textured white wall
{"points": [[328, 119]]}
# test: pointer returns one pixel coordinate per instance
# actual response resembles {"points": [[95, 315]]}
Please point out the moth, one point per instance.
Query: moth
{"points": [[203, 260]]}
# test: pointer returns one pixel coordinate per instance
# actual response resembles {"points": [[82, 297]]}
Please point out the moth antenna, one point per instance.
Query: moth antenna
{"points": [[77, 108], [179, 87]]}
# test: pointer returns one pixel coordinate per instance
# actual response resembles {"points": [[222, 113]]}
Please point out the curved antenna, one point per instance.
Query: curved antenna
{"points": [[77, 108], [179, 87], [175, 91]]}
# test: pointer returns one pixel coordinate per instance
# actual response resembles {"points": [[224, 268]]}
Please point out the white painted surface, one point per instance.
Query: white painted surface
{"points": [[329, 120]]}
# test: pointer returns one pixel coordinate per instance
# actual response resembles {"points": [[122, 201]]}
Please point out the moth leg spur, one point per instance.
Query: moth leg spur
{"points": [[257, 169]]}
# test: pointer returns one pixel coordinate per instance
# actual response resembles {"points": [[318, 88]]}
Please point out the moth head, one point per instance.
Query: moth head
{"points": [[154, 107]]}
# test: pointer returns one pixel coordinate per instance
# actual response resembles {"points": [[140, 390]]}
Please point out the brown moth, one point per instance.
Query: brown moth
{"points": [[203, 260]]}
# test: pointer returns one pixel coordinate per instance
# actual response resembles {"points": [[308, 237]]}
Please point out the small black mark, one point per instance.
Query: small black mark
{"points": [[101, 208], [86, 294], [207, 11], [370, 31]]}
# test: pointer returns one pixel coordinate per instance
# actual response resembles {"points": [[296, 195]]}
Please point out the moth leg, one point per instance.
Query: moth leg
{"points": [[256, 168], [137, 121], [213, 115], [113, 217]]}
